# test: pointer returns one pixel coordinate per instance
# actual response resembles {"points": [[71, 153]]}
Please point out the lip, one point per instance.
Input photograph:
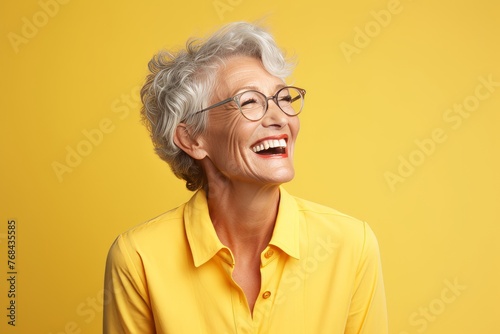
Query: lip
{"points": [[271, 156]]}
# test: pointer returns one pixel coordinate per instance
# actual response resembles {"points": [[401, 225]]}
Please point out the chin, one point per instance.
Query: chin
{"points": [[281, 177]]}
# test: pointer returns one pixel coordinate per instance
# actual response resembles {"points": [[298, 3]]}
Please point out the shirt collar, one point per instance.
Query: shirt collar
{"points": [[205, 243], [286, 230], [201, 234]]}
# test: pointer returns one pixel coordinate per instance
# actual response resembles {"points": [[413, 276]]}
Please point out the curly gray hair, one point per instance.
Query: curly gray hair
{"points": [[180, 84]]}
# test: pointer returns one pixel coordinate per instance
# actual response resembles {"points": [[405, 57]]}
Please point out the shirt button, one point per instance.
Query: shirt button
{"points": [[266, 294], [269, 253]]}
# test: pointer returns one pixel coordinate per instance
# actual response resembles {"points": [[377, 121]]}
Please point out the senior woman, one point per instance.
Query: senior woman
{"points": [[242, 255]]}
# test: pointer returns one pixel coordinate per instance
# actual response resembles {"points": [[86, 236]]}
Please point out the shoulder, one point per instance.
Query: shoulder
{"points": [[308, 206], [160, 231], [322, 220], [324, 215]]}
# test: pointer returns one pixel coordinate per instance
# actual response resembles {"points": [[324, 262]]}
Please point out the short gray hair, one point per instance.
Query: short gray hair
{"points": [[180, 84]]}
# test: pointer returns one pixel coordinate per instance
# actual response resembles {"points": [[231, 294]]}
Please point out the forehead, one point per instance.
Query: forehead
{"points": [[241, 73]]}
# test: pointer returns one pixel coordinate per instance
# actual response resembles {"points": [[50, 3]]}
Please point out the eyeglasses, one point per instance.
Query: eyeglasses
{"points": [[253, 104]]}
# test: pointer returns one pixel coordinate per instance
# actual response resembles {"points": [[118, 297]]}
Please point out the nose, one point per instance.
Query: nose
{"points": [[274, 116]]}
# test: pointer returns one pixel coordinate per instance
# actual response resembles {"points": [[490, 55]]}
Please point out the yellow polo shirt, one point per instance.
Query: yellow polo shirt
{"points": [[320, 273]]}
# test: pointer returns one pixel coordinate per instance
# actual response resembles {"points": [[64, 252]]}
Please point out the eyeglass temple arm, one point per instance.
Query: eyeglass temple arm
{"points": [[302, 91], [216, 105]]}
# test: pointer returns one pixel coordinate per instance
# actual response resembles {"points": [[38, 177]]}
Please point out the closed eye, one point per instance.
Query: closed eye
{"points": [[287, 98], [248, 102]]}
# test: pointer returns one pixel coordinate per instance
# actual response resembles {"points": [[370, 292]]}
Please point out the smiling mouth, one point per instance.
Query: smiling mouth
{"points": [[270, 147]]}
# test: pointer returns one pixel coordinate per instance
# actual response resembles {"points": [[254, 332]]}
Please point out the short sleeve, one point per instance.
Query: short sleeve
{"points": [[368, 309], [126, 305]]}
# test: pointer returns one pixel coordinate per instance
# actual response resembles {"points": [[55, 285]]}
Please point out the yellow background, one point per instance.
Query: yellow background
{"points": [[80, 71]]}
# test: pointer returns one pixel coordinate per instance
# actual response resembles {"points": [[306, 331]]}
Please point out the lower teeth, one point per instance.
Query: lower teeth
{"points": [[277, 150]]}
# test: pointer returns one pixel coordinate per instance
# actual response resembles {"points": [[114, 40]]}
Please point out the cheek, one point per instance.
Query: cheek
{"points": [[294, 126], [224, 133]]}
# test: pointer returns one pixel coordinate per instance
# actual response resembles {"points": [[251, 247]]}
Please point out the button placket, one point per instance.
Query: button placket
{"points": [[269, 254]]}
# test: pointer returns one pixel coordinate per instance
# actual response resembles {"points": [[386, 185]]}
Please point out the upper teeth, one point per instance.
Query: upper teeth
{"points": [[266, 144]]}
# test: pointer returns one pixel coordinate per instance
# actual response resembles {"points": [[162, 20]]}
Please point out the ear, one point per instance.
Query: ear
{"points": [[185, 141]]}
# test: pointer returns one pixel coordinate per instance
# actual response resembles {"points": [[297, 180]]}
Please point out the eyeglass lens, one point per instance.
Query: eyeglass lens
{"points": [[253, 104]]}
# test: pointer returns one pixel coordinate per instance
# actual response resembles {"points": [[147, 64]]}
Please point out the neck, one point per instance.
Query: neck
{"points": [[244, 216]]}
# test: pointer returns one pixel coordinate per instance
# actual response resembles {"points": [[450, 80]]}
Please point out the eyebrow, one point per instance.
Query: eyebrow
{"points": [[256, 88]]}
